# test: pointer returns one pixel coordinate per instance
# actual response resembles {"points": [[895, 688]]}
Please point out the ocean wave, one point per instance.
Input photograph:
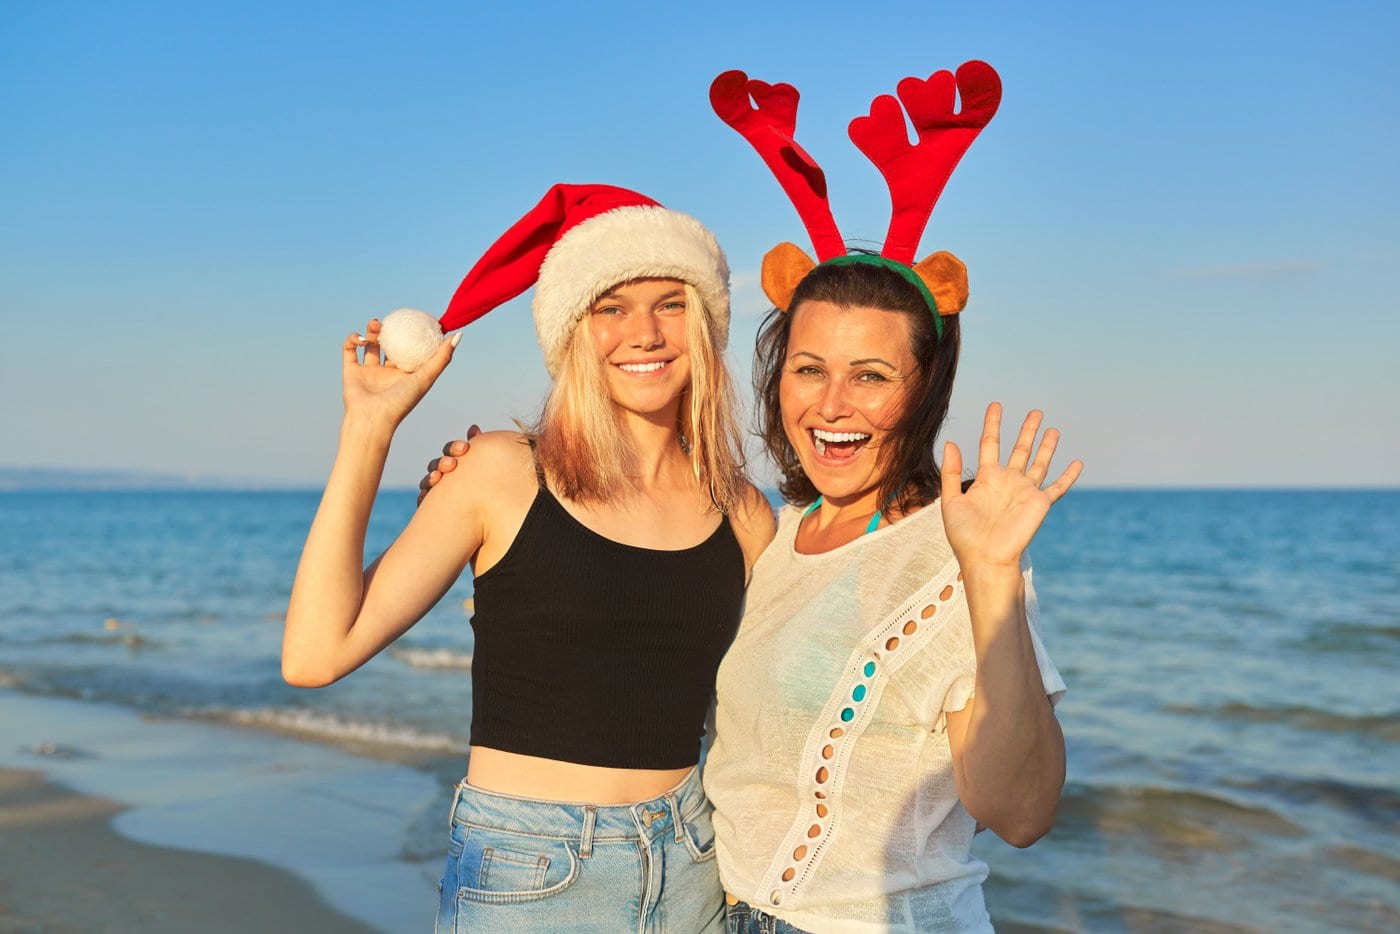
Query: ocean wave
{"points": [[1384, 726], [126, 639], [333, 728], [432, 658], [1366, 861], [1025, 905], [63, 751], [1371, 803], [1181, 820], [1352, 637]]}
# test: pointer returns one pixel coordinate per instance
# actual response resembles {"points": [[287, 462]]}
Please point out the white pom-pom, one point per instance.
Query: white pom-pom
{"points": [[408, 337]]}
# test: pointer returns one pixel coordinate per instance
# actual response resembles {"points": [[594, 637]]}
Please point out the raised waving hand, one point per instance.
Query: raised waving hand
{"points": [[993, 522]]}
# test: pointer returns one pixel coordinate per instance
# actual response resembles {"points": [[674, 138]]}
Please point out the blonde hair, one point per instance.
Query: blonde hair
{"points": [[589, 456]]}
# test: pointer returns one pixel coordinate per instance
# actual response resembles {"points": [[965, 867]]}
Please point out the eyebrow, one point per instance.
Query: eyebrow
{"points": [[884, 363], [615, 297], [860, 362]]}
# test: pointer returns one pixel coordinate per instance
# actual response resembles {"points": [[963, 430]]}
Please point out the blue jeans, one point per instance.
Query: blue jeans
{"points": [[522, 865], [742, 918]]}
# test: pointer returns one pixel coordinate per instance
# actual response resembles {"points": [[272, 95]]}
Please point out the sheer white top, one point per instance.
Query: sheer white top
{"points": [[835, 805]]}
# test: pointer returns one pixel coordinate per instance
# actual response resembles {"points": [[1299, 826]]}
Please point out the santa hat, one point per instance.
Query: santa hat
{"points": [[578, 242]]}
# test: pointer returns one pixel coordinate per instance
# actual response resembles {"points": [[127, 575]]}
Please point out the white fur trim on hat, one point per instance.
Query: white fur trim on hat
{"points": [[622, 244]]}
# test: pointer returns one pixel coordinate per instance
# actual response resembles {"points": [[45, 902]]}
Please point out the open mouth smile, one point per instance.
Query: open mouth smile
{"points": [[838, 445], [643, 369]]}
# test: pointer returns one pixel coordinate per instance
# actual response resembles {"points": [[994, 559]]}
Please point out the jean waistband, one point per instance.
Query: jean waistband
{"points": [[666, 814]]}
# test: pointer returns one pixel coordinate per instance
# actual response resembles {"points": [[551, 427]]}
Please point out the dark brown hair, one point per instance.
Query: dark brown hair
{"points": [[909, 473]]}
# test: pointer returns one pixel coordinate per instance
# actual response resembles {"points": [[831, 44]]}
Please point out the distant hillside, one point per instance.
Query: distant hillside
{"points": [[14, 479]]}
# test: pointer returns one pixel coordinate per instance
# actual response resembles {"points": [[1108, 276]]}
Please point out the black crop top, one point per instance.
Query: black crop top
{"points": [[595, 652]]}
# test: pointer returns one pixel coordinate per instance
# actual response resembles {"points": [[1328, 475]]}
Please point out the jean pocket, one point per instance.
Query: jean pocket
{"points": [[502, 866], [447, 902], [447, 886], [699, 835]]}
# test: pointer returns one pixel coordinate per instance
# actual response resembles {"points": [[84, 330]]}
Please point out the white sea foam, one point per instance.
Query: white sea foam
{"points": [[330, 727], [432, 658]]}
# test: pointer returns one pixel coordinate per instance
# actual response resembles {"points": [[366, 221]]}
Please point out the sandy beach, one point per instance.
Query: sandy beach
{"points": [[67, 870], [112, 821]]}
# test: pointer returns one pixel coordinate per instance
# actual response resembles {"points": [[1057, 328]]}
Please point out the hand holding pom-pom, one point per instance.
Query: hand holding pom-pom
{"points": [[379, 392], [408, 337]]}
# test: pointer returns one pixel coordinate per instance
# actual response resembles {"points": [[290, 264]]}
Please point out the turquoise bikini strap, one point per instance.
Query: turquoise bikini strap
{"points": [[874, 520]]}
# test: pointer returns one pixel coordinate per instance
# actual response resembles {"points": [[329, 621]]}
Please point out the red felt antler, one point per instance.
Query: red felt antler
{"points": [[917, 173], [769, 127]]}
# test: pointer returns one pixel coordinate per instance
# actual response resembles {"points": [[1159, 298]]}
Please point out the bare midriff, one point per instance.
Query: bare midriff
{"points": [[511, 773]]}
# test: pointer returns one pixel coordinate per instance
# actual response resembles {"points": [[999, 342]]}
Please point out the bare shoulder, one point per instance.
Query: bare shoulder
{"points": [[492, 488], [500, 449], [497, 465], [753, 523]]}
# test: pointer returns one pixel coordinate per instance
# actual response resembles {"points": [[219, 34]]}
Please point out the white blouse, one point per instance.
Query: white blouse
{"points": [[831, 775]]}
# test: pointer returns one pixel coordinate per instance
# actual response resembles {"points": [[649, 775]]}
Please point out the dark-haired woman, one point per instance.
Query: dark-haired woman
{"points": [[887, 691]]}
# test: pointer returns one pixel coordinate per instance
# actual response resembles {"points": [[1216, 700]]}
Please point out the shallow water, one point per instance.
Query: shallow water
{"points": [[1232, 723]]}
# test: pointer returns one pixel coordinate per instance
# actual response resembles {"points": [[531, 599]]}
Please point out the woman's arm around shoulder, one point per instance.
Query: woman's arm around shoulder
{"points": [[753, 525], [336, 623], [496, 486]]}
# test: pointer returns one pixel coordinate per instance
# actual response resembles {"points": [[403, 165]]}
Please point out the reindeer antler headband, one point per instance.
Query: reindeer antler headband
{"points": [[915, 173]]}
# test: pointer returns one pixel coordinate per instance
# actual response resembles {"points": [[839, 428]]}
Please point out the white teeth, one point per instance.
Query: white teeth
{"points": [[642, 367], [838, 436], [822, 438]]}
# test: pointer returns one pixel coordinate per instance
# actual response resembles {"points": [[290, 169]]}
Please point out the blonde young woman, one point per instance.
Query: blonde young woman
{"points": [[610, 547]]}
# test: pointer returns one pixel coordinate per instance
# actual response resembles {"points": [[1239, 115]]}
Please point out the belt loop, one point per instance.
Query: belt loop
{"points": [[675, 815], [590, 818], [456, 797]]}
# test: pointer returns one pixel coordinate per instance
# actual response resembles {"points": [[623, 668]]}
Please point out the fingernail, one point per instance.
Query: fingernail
{"points": [[456, 338], [359, 339]]}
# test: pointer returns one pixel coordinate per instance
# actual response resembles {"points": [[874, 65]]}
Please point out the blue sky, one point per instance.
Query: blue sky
{"points": [[1180, 227]]}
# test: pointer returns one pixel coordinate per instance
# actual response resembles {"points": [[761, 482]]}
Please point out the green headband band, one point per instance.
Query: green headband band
{"points": [[908, 274]]}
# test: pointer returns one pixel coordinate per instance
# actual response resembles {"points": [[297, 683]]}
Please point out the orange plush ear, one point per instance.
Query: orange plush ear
{"points": [[946, 278], [784, 267]]}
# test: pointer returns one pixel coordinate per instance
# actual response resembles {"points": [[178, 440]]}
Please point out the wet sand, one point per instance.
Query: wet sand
{"points": [[113, 821], [67, 870]]}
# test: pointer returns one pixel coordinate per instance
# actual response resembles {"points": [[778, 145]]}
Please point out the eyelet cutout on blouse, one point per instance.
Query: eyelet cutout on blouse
{"points": [[858, 687]]}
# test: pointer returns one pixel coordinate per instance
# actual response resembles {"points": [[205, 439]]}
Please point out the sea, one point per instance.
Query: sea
{"points": [[1232, 721]]}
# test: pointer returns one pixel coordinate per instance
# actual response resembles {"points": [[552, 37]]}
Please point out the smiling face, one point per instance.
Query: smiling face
{"points": [[639, 330], [842, 392]]}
